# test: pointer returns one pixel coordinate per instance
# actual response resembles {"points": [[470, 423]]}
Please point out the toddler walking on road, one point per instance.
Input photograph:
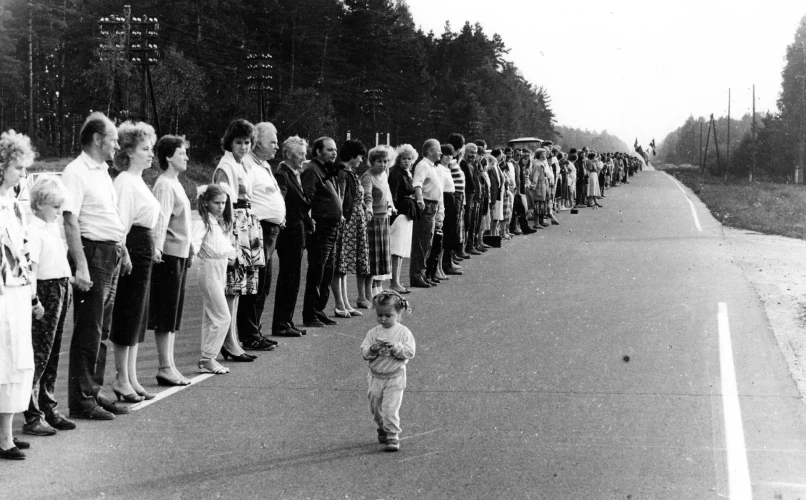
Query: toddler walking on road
{"points": [[388, 348]]}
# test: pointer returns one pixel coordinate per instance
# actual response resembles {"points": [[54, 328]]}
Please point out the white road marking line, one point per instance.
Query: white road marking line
{"points": [[420, 434], [738, 471], [419, 456], [782, 485], [169, 392], [690, 204]]}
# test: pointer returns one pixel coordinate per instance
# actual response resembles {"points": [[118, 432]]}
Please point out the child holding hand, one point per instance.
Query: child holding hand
{"points": [[212, 237], [388, 348], [51, 277]]}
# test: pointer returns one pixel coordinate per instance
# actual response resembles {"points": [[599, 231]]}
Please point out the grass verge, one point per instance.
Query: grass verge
{"points": [[764, 207]]}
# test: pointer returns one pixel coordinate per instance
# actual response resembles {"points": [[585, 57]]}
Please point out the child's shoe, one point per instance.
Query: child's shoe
{"points": [[393, 445], [381, 436]]}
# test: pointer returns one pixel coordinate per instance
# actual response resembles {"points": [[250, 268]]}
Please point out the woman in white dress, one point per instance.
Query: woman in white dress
{"points": [[17, 298], [400, 184], [592, 167]]}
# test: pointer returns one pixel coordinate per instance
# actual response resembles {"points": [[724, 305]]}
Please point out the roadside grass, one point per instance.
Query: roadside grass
{"points": [[765, 207], [197, 174]]}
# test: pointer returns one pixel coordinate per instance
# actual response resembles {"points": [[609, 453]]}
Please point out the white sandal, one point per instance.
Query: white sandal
{"points": [[212, 366]]}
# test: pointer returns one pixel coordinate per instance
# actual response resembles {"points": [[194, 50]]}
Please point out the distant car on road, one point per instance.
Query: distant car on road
{"points": [[531, 143]]}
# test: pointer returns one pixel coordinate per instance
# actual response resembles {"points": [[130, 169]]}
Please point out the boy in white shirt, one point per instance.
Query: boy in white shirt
{"points": [[51, 277]]}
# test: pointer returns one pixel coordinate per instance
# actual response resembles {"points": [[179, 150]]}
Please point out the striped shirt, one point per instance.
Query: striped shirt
{"points": [[458, 177]]}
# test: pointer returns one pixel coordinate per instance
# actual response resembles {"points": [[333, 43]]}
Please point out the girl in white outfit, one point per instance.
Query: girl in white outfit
{"points": [[211, 235]]}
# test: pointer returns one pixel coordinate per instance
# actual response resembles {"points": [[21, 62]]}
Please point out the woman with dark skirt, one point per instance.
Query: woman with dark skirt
{"points": [[139, 211], [172, 256]]}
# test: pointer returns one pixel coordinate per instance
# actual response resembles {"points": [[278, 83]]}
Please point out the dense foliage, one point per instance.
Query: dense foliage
{"points": [[778, 135], [339, 66], [602, 141]]}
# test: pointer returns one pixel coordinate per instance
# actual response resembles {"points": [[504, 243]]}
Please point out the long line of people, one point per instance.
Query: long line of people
{"points": [[129, 248]]}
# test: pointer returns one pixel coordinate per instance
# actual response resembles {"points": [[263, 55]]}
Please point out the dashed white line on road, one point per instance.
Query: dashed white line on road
{"points": [[738, 471], [168, 392], [690, 204]]}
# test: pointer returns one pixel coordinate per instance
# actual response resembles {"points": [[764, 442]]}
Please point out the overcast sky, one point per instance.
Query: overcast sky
{"points": [[647, 65]]}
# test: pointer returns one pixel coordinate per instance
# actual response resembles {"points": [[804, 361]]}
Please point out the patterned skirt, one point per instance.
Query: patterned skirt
{"points": [[242, 279], [352, 250], [380, 256], [507, 208]]}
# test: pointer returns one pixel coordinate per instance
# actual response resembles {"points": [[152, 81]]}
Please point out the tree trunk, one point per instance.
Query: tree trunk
{"points": [[31, 118]]}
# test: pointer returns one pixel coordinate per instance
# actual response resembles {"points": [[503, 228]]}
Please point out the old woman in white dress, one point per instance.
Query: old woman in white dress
{"points": [[17, 298]]}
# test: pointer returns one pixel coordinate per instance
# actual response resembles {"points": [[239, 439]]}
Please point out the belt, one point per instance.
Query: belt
{"points": [[435, 202], [111, 243]]}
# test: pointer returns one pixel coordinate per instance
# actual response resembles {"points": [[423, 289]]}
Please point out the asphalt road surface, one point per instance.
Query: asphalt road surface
{"points": [[589, 360]]}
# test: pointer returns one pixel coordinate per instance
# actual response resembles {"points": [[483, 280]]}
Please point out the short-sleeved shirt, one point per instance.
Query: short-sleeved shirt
{"points": [[446, 178], [267, 200], [136, 204], [92, 199], [47, 250], [426, 177]]}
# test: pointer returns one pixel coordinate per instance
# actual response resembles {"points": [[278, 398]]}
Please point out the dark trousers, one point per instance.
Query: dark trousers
{"points": [[449, 240], [290, 245], [459, 201], [467, 222], [92, 318], [473, 223], [437, 245], [321, 256], [250, 307], [520, 214], [421, 234], [46, 337]]}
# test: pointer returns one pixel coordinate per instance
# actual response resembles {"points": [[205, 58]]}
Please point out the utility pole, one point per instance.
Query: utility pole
{"points": [[707, 140], [716, 143], [753, 132], [727, 159], [259, 78], [375, 96], [139, 35], [700, 141]]}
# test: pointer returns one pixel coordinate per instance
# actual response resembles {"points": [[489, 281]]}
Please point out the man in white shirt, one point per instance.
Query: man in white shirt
{"points": [[269, 207], [428, 193], [95, 239]]}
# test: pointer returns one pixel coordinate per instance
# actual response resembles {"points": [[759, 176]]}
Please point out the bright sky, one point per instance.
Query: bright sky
{"points": [[648, 65]]}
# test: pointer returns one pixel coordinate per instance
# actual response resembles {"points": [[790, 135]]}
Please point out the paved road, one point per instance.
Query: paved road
{"points": [[520, 388]]}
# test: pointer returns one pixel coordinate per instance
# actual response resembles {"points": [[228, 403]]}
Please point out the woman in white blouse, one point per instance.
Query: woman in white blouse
{"points": [[139, 211]]}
